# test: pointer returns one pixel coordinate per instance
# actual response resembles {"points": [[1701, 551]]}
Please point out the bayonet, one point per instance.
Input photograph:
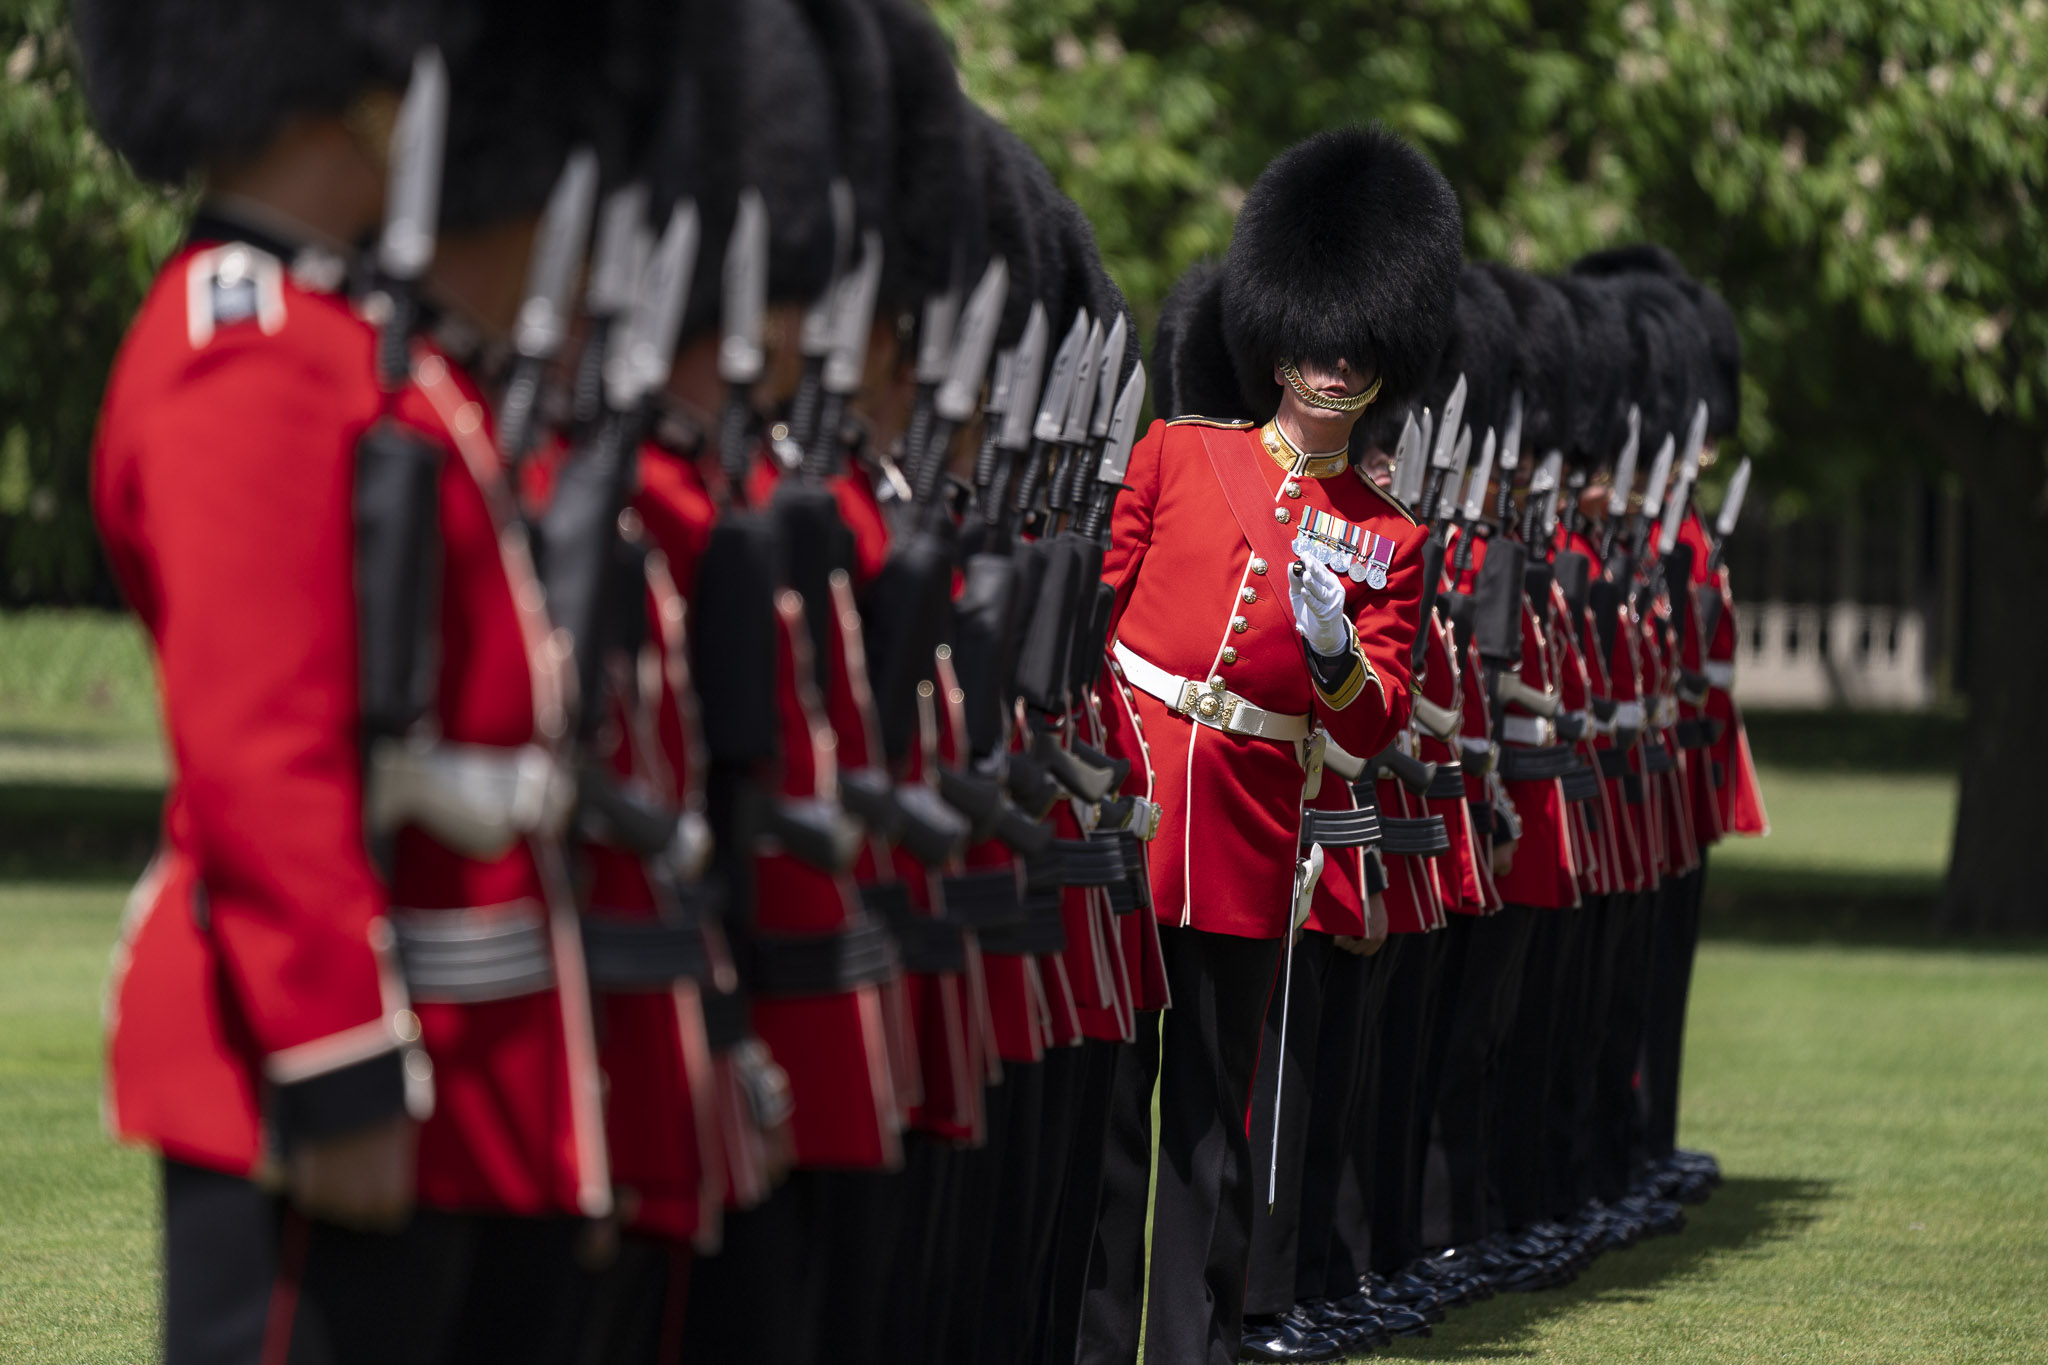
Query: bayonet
{"points": [[1449, 429], [1623, 484], [560, 243], [1027, 375], [1018, 397], [406, 248], [643, 352], [1552, 475], [1059, 388], [616, 267], [743, 308], [960, 387], [1081, 399], [1106, 372], [412, 210], [1625, 467], [853, 317], [1509, 459], [1660, 478], [543, 322], [1475, 485], [935, 330], [1409, 466], [1116, 454], [1542, 485], [1731, 505], [744, 294]]}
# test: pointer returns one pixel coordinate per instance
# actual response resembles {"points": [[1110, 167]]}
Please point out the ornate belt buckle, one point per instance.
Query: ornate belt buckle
{"points": [[1208, 704]]}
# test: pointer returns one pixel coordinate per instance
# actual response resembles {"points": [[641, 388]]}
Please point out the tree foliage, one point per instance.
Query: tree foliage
{"points": [[79, 240], [1859, 176]]}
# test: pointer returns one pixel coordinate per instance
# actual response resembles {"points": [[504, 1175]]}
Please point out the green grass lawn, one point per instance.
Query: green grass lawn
{"points": [[1879, 1112], [1879, 1098]]}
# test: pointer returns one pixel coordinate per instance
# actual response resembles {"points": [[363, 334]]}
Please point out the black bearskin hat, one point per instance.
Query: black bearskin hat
{"points": [[789, 149], [1011, 208], [940, 237], [1348, 246], [529, 81], [1719, 380], [1669, 355], [1602, 385], [1201, 377], [1547, 358], [174, 86], [847, 33]]}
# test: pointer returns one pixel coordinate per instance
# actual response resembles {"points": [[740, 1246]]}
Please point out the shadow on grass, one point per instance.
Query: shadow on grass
{"points": [[1745, 1216], [1795, 908], [63, 831]]}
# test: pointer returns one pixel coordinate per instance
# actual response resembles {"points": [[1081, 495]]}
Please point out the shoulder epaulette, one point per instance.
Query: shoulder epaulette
{"points": [[1226, 423], [230, 284], [1390, 499]]}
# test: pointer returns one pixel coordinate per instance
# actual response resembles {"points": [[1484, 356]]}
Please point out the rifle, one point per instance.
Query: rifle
{"points": [[397, 493]]}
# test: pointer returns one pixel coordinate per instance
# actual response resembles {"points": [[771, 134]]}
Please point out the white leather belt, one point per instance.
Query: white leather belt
{"points": [[1721, 673], [1628, 715], [1532, 730], [477, 799], [1216, 707]]}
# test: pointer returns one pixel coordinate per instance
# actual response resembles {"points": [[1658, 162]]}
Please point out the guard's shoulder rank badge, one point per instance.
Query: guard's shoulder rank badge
{"points": [[232, 284]]}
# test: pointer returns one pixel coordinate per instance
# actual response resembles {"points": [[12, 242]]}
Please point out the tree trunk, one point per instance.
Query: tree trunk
{"points": [[1997, 879]]}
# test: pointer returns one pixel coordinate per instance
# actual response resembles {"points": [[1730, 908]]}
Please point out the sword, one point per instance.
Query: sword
{"points": [[543, 324]]}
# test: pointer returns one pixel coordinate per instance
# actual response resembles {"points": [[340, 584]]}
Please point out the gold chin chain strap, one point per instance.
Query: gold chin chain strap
{"points": [[1357, 402]]}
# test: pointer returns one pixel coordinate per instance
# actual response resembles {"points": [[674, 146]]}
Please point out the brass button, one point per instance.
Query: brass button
{"points": [[1259, 567], [1208, 704], [1216, 681], [1280, 515], [1239, 624], [1249, 595], [1293, 489], [1230, 654]]}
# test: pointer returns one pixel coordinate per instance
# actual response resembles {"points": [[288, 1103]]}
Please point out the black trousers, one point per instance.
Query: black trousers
{"points": [[248, 1280], [1351, 1218], [1610, 916], [1402, 1110], [1676, 941], [1287, 1069], [1204, 1188], [1057, 1335], [1528, 1061], [1571, 1053], [1323, 1265], [1489, 953], [928, 1233], [1618, 1129], [859, 1228], [758, 1298], [1113, 1293]]}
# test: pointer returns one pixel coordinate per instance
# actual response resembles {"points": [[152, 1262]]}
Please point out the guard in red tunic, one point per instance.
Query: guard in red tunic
{"points": [[352, 981], [1266, 599]]}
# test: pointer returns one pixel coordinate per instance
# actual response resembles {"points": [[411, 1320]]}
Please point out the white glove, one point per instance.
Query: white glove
{"points": [[1319, 607]]}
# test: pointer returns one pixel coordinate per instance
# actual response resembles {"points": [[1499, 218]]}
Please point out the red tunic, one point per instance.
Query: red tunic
{"points": [[1190, 600], [223, 488], [1738, 796]]}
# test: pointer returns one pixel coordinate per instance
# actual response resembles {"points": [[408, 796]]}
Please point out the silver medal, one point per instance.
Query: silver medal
{"points": [[1357, 571], [1376, 576]]}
